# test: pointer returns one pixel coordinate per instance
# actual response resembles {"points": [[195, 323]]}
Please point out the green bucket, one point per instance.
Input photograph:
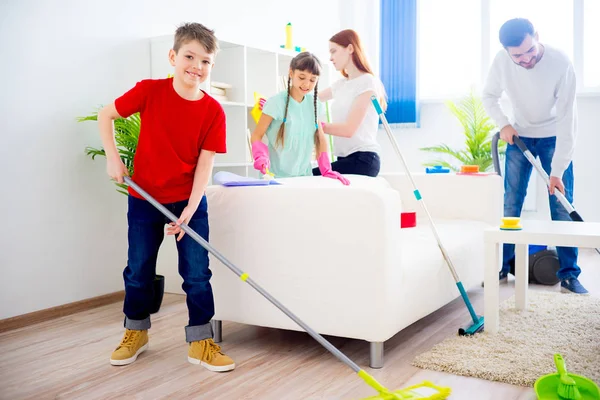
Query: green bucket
{"points": [[546, 387]]}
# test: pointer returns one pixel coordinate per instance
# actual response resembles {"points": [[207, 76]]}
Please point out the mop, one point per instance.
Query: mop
{"points": [[424, 390], [477, 325], [561, 197]]}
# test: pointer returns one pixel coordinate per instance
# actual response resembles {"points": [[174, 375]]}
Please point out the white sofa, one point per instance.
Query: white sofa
{"points": [[337, 257]]}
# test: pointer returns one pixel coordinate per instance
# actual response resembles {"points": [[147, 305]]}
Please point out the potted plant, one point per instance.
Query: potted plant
{"points": [[127, 133], [478, 130]]}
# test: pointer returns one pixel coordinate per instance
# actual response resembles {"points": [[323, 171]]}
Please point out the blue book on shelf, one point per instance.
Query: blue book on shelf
{"points": [[226, 178]]}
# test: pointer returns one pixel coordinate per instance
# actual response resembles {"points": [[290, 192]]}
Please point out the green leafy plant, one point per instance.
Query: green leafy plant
{"points": [[127, 133], [478, 130]]}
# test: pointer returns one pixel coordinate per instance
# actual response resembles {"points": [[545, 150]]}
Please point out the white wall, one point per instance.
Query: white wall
{"points": [[64, 236], [438, 126], [363, 16]]}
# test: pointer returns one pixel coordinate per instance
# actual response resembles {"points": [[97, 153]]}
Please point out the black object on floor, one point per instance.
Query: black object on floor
{"points": [[543, 266], [158, 286]]}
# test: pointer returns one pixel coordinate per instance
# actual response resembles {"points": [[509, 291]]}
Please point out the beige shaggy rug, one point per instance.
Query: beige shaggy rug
{"points": [[523, 349]]}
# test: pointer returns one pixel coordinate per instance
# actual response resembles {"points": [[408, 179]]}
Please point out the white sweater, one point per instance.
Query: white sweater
{"points": [[542, 99]]}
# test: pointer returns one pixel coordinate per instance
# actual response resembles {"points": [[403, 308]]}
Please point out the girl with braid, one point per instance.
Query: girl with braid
{"points": [[290, 120]]}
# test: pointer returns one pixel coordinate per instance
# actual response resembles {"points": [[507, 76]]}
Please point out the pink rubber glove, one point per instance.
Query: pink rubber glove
{"points": [[260, 155], [326, 171], [261, 103]]}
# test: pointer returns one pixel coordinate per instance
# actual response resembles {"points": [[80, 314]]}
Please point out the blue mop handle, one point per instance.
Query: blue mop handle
{"points": [[377, 106], [419, 198], [463, 293], [396, 148]]}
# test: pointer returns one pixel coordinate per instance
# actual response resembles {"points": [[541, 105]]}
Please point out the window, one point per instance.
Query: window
{"points": [[449, 40], [591, 47], [398, 62], [552, 19], [449, 47]]}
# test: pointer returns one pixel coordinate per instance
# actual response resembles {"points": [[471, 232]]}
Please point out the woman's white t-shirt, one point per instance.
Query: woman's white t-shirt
{"points": [[344, 92]]}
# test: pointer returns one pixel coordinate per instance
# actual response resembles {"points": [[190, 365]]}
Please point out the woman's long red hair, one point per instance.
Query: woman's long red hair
{"points": [[350, 37]]}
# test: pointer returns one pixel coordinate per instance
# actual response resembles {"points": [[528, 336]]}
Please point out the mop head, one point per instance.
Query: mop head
{"points": [[425, 390], [472, 328]]}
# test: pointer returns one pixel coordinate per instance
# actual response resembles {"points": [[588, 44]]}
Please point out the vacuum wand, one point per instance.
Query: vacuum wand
{"points": [[561, 197]]}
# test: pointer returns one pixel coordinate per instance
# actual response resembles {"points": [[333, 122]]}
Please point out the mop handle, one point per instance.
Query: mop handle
{"points": [[245, 277], [561, 198], [416, 192]]}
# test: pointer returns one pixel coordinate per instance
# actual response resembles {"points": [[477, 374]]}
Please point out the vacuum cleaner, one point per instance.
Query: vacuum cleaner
{"points": [[543, 261]]}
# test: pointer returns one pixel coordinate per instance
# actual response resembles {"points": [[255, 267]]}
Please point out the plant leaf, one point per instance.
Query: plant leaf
{"points": [[477, 129], [126, 134]]}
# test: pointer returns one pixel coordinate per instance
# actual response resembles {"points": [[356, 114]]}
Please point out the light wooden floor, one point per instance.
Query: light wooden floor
{"points": [[67, 358]]}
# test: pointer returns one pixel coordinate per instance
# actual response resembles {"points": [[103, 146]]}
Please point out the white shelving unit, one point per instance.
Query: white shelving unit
{"points": [[248, 70]]}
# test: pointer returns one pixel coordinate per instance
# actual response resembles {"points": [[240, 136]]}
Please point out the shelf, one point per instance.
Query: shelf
{"points": [[233, 104], [247, 69]]}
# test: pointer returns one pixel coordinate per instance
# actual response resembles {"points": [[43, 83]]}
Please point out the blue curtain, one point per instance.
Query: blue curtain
{"points": [[398, 60]]}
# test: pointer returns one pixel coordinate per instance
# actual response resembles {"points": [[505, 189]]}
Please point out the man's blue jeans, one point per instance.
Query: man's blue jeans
{"points": [[517, 173], [146, 233]]}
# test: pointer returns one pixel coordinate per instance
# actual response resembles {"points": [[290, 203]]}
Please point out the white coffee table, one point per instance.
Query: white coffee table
{"points": [[550, 233]]}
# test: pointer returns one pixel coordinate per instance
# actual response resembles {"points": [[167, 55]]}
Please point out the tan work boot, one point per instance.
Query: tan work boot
{"points": [[208, 354], [132, 345]]}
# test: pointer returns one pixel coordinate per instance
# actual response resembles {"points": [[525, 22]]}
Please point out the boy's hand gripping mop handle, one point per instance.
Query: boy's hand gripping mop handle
{"points": [[245, 277], [477, 321]]}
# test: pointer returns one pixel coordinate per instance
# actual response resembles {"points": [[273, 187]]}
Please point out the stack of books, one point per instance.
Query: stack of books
{"points": [[218, 90]]}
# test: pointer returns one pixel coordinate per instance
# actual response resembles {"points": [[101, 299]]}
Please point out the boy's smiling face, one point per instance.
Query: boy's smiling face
{"points": [[192, 63]]}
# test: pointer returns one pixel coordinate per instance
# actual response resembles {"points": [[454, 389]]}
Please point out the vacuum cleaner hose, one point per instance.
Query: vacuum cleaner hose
{"points": [[495, 156]]}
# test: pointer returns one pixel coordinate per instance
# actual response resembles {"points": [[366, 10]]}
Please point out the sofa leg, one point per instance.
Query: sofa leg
{"points": [[376, 354], [217, 330]]}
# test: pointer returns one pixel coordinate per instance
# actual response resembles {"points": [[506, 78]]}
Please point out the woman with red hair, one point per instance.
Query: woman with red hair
{"points": [[355, 120]]}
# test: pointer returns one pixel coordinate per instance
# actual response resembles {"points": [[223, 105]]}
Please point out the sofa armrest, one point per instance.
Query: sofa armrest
{"points": [[451, 196]]}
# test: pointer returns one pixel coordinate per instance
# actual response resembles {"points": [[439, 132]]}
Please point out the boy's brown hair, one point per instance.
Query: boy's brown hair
{"points": [[194, 31]]}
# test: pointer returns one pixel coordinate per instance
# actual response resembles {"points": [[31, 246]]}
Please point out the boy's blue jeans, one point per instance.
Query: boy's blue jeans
{"points": [[517, 173], [146, 232]]}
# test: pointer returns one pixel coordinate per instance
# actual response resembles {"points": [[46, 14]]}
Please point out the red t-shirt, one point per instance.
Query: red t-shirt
{"points": [[173, 131]]}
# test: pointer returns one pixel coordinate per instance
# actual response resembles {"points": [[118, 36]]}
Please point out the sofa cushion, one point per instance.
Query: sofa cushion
{"points": [[426, 277]]}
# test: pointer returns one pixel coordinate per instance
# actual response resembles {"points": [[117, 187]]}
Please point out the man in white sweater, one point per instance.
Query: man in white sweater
{"points": [[539, 81]]}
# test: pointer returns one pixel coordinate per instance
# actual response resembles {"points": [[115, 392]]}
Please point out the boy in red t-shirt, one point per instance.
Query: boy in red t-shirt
{"points": [[181, 130]]}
